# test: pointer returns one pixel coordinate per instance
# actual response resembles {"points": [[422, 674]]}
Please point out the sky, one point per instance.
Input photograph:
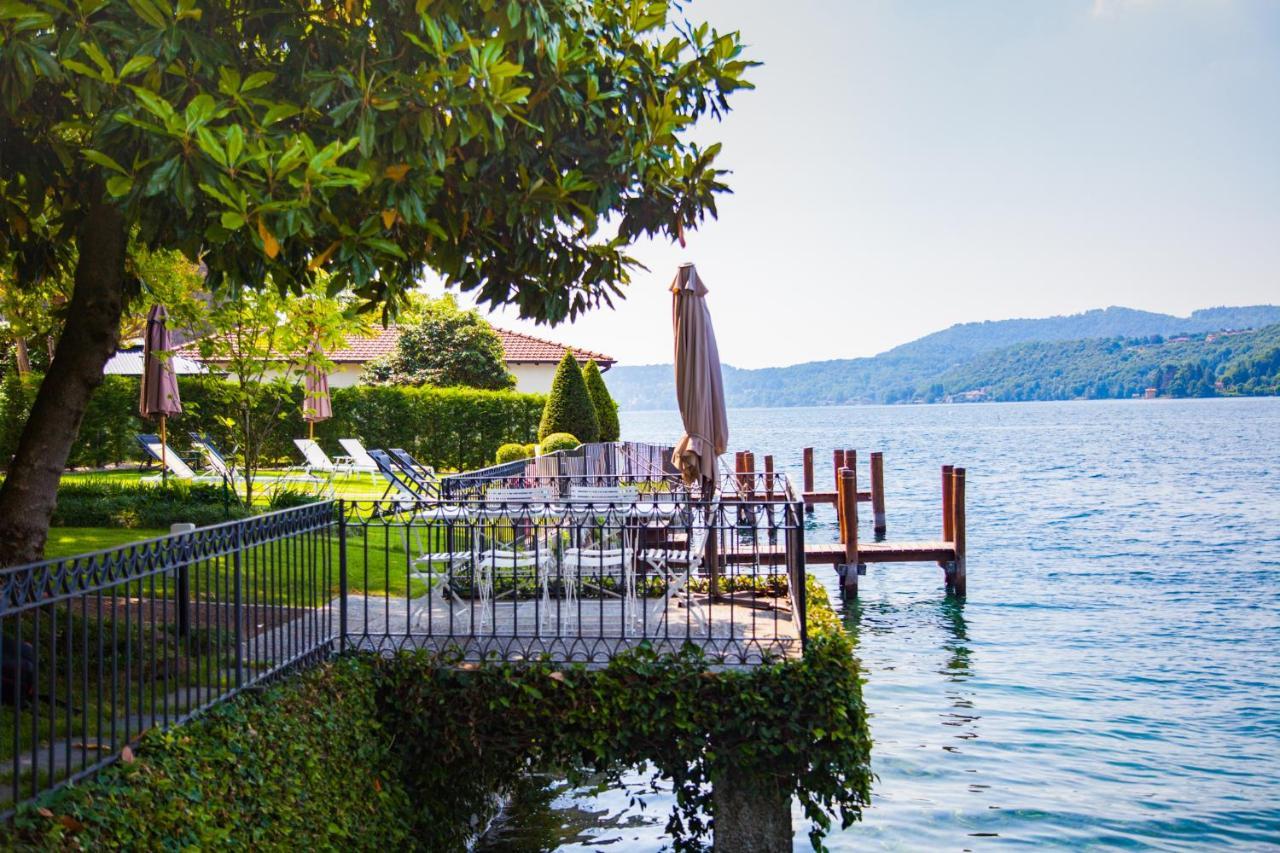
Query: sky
{"points": [[903, 166]]}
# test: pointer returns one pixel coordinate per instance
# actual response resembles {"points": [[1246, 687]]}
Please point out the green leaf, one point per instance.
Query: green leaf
{"points": [[147, 11], [103, 160], [135, 65], [232, 220], [118, 185]]}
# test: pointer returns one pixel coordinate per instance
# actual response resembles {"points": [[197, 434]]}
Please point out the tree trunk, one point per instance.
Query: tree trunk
{"points": [[30, 490], [24, 359]]}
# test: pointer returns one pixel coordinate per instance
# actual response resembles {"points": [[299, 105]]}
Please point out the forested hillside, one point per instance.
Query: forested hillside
{"points": [[1013, 360]]}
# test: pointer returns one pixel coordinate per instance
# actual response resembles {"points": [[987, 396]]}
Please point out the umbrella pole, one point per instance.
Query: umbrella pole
{"points": [[164, 452], [311, 430]]}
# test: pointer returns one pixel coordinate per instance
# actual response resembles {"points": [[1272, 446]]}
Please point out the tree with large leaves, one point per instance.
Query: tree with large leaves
{"points": [[444, 346], [515, 148]]}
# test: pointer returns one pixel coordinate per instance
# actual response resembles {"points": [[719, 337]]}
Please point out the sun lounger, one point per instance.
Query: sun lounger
{"points": [[317, 459], [167, 456], [359, 458], [422, 476]]}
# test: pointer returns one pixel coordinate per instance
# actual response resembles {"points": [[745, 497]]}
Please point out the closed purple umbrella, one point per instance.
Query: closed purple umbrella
{"points": [[159, 397], [316, 405]]}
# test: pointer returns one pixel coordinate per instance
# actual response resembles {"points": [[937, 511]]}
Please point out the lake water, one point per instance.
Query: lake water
{"points": [[1113, 679]]}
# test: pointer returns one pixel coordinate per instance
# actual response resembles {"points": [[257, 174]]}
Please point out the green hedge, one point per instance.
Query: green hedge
{"points": [[449, 428], [306, 765]]}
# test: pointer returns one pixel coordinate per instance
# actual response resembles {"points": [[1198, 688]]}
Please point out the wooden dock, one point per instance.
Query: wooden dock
{"points": [[851, 555]]}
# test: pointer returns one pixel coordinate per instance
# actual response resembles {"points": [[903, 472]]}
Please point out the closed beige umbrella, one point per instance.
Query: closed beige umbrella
{"points": [[699, 386]]}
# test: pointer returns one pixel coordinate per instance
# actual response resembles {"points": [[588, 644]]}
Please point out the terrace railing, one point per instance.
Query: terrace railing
{"points": [[101, 647]]}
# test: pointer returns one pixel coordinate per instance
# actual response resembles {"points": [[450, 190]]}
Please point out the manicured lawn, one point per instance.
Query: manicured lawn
{"points": [[69, 541]]}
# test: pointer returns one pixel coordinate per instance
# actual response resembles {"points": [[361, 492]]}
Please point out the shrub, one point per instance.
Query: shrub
{"points": [[559, 441], [105, 504], [569, 407], [602, 402], [530, 450], [511, 453], [303, 766]]}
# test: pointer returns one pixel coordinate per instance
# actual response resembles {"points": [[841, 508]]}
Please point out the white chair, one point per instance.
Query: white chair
{"points": [[605, 496], [358, 458], [677, 567], [437, 571], [487, 563]]}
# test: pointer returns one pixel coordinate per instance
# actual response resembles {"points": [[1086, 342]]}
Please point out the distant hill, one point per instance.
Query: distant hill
{"points": [[1105, 352]]}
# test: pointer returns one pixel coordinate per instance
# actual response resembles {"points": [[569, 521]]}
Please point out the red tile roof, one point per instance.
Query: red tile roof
{"points": [[517, 347]]}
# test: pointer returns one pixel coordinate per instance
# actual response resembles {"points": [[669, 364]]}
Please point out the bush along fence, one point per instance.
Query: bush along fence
{"points": [[450, 428], [574, 628]]}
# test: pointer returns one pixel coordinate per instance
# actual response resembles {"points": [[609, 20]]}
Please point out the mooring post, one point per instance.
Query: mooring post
{"points": [[808, 476], [851, 462], [849, 499], [947, 494], [877, 492], [768, 477], [750, 459], [837, 459], [957, 525]]}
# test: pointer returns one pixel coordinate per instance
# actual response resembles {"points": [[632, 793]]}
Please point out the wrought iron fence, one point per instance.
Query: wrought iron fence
{"points": [[98, 648], [572, 568]]}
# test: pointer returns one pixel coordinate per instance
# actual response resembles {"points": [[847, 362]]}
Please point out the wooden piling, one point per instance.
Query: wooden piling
{"points": [[749, 466], [877, 492], [808, 476], [957, 529], [946, 502], [768, 477], [849, 500], [837, 459]]}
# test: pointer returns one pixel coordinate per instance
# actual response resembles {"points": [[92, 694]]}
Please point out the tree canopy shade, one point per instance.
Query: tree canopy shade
{"points": [[569, 408], [445, 346], [602, 402], [484, 140]]}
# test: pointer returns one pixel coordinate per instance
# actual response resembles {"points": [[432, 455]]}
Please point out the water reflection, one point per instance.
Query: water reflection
{"points": [[957, 643]]}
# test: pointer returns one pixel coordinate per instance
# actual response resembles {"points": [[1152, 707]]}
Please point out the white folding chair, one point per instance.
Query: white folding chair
{"points": [[677, 567]]}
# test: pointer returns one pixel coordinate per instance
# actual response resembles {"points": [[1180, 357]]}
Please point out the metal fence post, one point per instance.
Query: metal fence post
{"points": [[342, 576], [182, 591], [238, 607], [801, 602]]}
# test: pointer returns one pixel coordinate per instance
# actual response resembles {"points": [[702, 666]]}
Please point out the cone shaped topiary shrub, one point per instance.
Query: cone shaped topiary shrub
{"points": [[569, 407], [602, 402]]}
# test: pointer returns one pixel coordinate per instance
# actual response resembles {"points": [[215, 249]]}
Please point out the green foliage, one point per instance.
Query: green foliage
{"points": [[511, 452], [606, 408], [373, 140], [558, 441], [415, 745], [531, 449], [90, 504], [16, 395], [569, 407], [304, 765], [445, 347], [447, 428]]}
